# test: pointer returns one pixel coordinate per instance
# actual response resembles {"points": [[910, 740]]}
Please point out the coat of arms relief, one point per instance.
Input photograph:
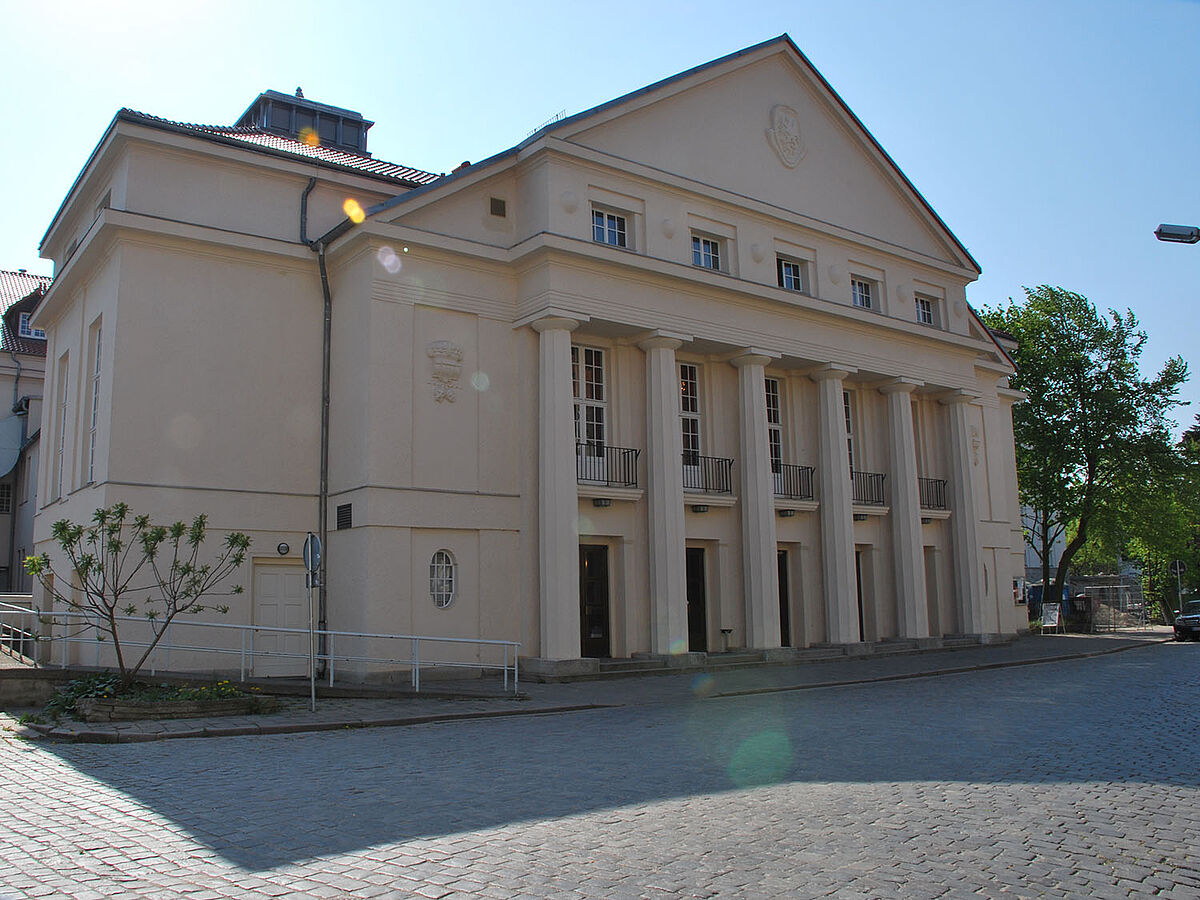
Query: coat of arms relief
{"points": [[446, 360], [784, 135]]}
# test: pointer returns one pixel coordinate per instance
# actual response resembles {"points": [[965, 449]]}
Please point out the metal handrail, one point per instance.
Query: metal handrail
{"points": [[933, 493], [248, 653], [708, 474], [609, 466], [792, 482], [867, 488]]}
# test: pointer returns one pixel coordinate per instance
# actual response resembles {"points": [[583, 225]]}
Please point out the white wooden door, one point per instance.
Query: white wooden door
{"points": [[280, 601]]}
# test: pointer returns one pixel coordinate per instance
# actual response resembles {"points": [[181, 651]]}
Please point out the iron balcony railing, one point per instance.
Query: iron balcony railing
{"points": [[933, 493], [709, 474], [609, 466], [792, 482], [868, 488]]}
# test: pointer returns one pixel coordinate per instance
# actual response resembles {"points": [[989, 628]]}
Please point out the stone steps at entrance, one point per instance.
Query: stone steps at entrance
{"points": [[645, 664]]}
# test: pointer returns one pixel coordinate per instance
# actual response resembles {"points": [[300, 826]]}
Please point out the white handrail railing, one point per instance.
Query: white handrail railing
{"points": [[19, 634]]}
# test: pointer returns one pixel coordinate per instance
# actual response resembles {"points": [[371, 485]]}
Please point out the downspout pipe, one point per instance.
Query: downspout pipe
{"points": [[318, 247], [13, 562]]}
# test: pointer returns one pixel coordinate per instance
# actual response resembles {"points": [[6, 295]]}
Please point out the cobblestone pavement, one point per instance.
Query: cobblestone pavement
{"points": [[1075, 778]]}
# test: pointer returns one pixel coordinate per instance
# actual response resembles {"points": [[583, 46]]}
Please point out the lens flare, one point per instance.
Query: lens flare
{"points": [[677, 646], [762, 758], [353, 211], [480, 381], [309, 136], [704, 685], [389, 259]]}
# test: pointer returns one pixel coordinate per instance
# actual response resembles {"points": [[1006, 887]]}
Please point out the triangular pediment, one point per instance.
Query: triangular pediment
{"points": [[764, 124]]}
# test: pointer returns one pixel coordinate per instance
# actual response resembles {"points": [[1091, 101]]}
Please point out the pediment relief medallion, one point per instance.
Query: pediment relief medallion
{"points": [[784, 135]]}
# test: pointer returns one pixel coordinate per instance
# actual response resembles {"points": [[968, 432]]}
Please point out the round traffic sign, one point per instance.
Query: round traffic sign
{"points": [[1178, 567]]}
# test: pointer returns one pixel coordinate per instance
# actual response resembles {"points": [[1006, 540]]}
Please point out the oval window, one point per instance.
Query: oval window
{"points": [[441, 579]]}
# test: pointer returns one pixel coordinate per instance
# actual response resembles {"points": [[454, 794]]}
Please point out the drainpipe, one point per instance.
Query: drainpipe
{"points": [[318, 247], [12, 503]]}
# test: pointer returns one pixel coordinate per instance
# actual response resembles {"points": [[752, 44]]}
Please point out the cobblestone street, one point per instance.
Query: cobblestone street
{"points": [[1075, 778]]}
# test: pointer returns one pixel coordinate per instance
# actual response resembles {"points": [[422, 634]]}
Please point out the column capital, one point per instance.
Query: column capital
{"points": [[554, 323], [830, 371], [662, 339], [953, 398], [549, 318], [753, 356], [899, 386]]}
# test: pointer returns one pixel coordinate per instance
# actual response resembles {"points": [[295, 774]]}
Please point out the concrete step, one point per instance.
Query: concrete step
{"points": [[631, 665]]}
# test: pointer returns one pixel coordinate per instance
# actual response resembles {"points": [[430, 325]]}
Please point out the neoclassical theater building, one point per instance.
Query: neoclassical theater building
{"points": [[690, 371]]}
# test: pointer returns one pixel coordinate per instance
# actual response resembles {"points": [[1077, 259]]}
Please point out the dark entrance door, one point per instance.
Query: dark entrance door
{"points": [[697, 613], [862, 635], [593, 601], [785, 618]]}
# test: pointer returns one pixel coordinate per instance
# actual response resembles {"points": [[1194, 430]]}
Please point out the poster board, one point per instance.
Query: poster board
{"points": [[1051, 616]]}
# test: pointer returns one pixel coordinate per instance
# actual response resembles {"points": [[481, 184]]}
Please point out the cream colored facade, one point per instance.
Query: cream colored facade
{"points": [[461, 309]]}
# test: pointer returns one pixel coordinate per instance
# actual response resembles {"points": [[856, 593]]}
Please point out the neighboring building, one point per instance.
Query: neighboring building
{"points": [[695, 361], [22, 367]]}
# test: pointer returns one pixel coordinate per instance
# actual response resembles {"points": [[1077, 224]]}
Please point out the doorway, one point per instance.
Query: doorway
{"points": [[858, 578], [594, 633], [280, 601], [697, 612], [785, 617]]}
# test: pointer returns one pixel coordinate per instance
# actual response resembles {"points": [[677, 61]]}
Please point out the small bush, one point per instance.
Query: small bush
{"points": [[107, 686]]}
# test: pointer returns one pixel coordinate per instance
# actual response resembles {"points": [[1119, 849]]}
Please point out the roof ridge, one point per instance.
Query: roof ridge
{"points": [[253, 136]]}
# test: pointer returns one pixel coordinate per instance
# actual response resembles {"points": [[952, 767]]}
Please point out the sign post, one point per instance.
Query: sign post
{"points": [[1177, 568], [312, 566]]}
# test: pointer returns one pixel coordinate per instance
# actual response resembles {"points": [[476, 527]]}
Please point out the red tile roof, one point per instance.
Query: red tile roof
{"points": [[257, 137], [16, 286]]}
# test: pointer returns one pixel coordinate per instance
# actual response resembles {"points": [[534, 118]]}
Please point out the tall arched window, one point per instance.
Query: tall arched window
{"points": [[441, 579]]}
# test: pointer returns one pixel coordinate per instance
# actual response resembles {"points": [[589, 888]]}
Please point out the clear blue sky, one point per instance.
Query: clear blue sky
{"points": [[1052, 136]]}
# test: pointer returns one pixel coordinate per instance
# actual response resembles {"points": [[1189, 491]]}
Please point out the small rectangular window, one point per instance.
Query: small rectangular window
{"points": [[95, 405], [863, 292], [791, 274], [706, 253], [774, 425], [345, 516], [5, 498], [689, 408], [327, 129], [609, 228], [25, 330], [926, 310]]}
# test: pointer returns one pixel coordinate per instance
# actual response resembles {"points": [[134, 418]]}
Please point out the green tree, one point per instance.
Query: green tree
{"points": [[1091, 423], [120, 557]]}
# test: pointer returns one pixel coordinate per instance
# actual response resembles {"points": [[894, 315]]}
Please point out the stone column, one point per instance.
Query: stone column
{"points": [[760, 569], [837, 517], [558, 496], [968, 577], [664, 496], [912, 614]]}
